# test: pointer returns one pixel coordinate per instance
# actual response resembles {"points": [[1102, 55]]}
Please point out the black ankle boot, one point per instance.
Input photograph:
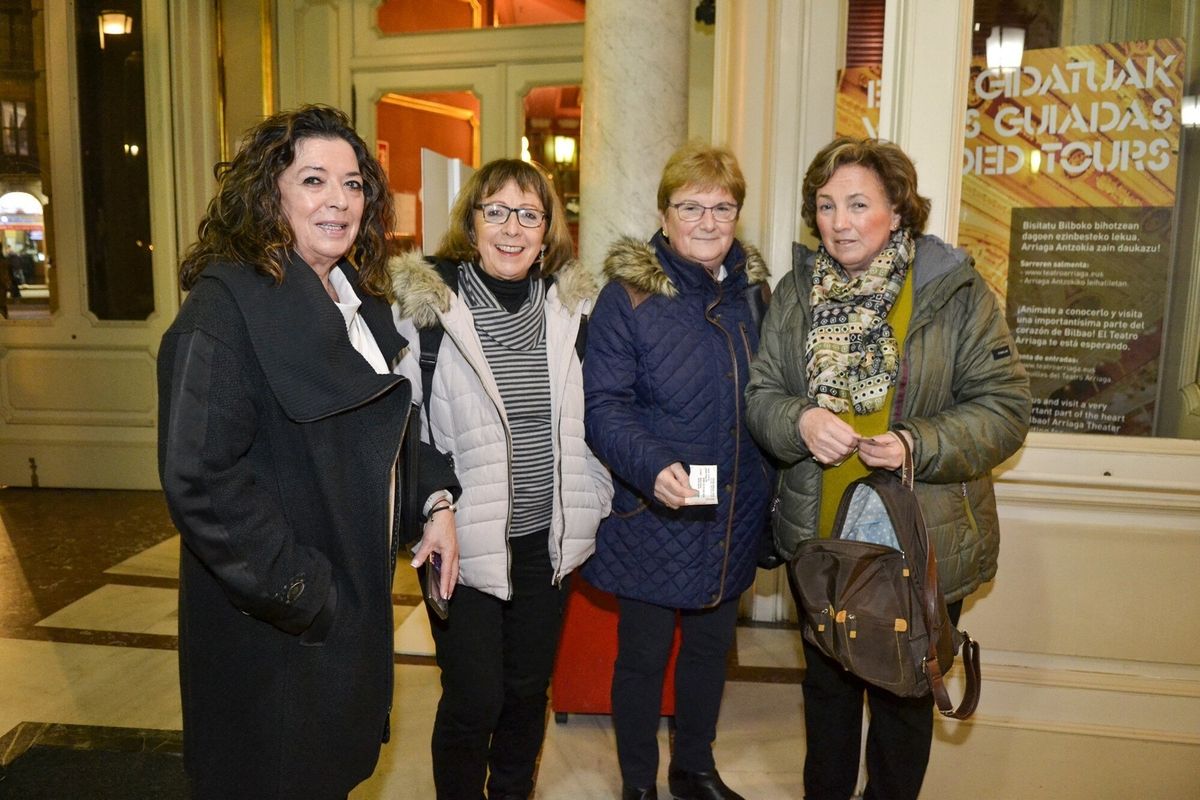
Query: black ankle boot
{"points": [[699, 786], [634, 793]]}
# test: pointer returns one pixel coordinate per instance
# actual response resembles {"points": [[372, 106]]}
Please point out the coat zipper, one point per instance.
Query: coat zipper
{"points": [[497, 404], [737, 449]]}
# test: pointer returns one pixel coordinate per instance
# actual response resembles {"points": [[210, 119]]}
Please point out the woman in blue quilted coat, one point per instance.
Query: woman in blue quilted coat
{"points": [[668, 355]]}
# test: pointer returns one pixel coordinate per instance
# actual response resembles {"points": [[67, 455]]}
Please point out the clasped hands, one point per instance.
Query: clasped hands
{"points": [[831, 440]]}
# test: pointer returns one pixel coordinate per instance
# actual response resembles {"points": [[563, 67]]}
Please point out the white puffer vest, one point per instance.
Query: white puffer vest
{"points": [[468, 420]]}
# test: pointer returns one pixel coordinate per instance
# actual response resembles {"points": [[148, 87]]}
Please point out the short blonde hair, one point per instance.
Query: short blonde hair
{"points": [[458, 243], [703, 166], [894, 168]]}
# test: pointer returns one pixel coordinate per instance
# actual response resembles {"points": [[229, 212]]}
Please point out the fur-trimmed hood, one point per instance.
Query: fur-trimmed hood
{"points": [[635, 262], [421, 294]]}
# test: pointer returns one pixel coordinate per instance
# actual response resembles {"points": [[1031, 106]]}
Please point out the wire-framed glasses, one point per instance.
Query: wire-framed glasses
{"points": [[692, 212], [498, 214]]}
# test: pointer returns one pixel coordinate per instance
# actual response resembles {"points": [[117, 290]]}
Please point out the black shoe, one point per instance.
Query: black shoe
{"points": [[634, 793], [699, 786]]}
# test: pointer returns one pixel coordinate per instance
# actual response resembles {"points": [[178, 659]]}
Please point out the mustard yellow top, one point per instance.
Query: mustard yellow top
{"points": [[835, 479]]}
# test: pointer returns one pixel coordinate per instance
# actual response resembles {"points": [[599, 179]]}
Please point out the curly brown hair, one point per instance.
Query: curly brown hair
{"points": [[458, 243], [245, 223], [894, 168]]}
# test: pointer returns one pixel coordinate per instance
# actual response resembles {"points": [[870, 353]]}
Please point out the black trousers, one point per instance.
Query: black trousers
{"points": [[898, 738], [644, 635], [496, 659]]}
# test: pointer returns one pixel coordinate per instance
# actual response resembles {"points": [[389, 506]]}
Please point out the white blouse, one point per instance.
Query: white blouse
{"points": [[360, 335]]}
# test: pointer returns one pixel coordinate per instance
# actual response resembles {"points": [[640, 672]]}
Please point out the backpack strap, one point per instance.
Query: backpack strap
{"points": [[581, 338], [431, 337]]}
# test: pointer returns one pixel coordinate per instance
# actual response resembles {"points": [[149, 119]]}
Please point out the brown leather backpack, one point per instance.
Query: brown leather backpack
{"points": [[878, 610]]}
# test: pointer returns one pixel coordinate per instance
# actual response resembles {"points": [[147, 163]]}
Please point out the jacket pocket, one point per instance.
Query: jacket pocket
{"points": [[318, 632]]}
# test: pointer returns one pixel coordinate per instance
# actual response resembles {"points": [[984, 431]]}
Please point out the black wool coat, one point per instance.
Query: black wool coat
{"points": [[278, 445]]}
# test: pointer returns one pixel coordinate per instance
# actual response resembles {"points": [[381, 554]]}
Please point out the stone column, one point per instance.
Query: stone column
{"points": [[635, 83]]}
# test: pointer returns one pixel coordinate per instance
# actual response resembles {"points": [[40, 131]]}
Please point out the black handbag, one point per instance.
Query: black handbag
{"points": [[876, 608]]}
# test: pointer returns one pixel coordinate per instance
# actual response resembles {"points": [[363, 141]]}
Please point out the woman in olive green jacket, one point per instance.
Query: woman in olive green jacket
{"points": [[880, 333], [961, 395]]}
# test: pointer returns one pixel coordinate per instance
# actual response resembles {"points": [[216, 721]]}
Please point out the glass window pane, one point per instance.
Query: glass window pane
{"points": [[116, 184], [26, 250], [418, 16], [860, 79], [445, 122], [552, 139], [1077, 203]]}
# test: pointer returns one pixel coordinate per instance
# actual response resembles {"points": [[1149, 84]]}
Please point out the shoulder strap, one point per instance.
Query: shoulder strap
{"points": [[431, 337], [900, 500], [581, 338]]}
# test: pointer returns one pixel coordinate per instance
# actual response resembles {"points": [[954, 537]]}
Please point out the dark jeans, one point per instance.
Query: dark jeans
{"points": [[644, 635], [898, 738], [496, 658]]}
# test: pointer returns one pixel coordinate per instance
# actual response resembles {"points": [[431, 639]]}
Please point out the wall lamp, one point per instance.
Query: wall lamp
{"points": [[564, 150], [114, 23], [1005, 46]]}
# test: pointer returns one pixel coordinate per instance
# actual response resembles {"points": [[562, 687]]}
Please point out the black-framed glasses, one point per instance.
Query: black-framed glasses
{"points": [[498, 214], [692, 212]]}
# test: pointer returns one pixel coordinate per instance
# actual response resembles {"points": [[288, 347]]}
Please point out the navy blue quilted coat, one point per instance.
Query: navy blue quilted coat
{"points": [[668, 355]]}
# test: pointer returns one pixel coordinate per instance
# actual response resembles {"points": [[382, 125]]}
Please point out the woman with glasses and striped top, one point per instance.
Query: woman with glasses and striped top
{"points": [[506, 401]]}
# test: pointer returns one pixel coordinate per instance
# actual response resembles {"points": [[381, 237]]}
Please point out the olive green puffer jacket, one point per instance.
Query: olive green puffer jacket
{"points": [[961, 392]]}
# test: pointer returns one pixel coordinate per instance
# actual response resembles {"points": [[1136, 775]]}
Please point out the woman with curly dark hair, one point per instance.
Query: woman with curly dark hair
{"points": [[280, 451]]}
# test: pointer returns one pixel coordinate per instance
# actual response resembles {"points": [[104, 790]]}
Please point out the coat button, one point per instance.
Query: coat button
{"points": [[295, 590]]}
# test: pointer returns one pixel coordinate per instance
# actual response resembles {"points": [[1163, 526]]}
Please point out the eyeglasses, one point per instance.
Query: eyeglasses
{"points": [[692, 212], [498, 214]]}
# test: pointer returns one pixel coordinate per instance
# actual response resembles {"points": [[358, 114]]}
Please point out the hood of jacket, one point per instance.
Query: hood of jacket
{"points": [[637, 264], [421, 294]]}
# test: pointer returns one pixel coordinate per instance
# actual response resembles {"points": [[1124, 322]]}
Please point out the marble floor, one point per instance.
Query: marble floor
{"points": [[88, 583], [88, 617]]}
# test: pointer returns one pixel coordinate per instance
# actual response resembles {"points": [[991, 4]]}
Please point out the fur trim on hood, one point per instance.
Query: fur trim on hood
{"points": [[421, 293], [635, 263]]}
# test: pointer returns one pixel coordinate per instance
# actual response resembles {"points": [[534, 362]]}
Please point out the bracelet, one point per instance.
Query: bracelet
{"points": [[441, 505]]}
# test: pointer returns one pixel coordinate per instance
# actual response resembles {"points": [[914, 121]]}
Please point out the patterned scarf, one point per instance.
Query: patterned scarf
{"points": [[852, 352]]}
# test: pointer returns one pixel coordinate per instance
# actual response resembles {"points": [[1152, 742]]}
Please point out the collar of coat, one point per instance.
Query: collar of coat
{"points": [[636, 263], [421, 294], [300, 342]]}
